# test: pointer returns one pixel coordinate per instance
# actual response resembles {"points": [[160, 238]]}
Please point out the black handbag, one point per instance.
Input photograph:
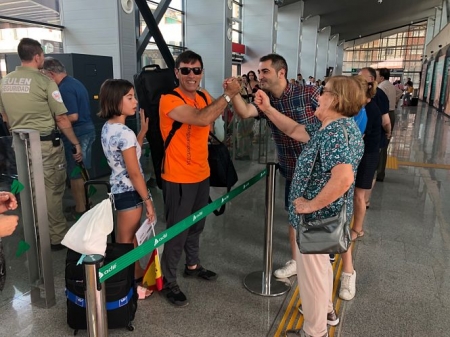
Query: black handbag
{"points": [[325, 236], [222, 171]]}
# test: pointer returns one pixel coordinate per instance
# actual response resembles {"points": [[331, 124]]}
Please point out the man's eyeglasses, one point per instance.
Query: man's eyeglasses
{"points": [[322, 90], [187, 70]]}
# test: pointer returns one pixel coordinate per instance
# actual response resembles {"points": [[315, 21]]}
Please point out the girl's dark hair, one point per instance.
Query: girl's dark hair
{"points": [[254, 75], [111, 95]]}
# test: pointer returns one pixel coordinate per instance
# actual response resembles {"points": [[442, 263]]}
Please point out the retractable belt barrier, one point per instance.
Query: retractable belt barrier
{"points": [[147, 247]]}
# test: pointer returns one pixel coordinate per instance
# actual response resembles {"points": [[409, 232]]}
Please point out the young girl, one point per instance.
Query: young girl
{"points": [[122, 150]]}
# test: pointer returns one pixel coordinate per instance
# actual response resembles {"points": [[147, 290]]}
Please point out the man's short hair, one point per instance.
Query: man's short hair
{"points": [[385, 73], [54, 65], [372, 72], [28, 48], [278, 62], [188, 57]]}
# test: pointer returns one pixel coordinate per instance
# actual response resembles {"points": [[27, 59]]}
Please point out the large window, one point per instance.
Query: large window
{"points": [[401, 52], [171, 27]]}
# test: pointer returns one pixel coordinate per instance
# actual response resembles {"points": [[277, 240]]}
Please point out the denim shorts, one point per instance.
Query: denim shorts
{"points": [[127, 201]]}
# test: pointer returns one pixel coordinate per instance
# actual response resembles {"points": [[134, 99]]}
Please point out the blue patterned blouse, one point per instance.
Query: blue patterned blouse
{"points": [[333, 150], [116, 138]]}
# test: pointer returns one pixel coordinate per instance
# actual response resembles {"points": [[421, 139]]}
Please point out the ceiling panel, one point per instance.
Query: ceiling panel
{"points": [[38, 10], [354, 18]]}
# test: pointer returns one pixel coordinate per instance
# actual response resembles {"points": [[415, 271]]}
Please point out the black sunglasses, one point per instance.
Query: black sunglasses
{"points": [[187, 70]]}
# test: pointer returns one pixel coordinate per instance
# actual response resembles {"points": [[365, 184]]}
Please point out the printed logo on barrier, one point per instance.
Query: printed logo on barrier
{"points": [[107, 271], [123, 301], [225, 198], [262, 174], [245, 185], [196, 216], [100, 274], [162, 238], [79, 301]]}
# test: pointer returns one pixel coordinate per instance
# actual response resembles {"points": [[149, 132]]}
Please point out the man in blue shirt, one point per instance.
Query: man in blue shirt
{"points": [[76, 99]]}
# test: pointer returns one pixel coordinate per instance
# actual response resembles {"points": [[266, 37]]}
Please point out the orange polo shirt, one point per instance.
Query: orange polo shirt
{"points": [[187, 155]]}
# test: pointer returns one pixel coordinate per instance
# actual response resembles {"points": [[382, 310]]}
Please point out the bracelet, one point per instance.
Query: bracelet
{"points": [[149, 197]]}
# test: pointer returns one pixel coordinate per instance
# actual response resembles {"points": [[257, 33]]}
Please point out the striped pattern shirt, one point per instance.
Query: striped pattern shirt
{"points": [[297, 102]]}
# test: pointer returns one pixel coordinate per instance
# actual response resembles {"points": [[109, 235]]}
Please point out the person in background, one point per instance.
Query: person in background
{"points": [[319, 193], [300, 79], [185, 174], [122, 150], [76, 99], [298, 102], [36, 104]]}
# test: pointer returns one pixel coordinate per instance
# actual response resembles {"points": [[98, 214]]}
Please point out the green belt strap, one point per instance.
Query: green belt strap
{"points": [[147, 247]]}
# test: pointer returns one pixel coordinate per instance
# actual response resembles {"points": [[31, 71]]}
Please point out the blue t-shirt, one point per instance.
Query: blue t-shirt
{"points": [[361, 119], [76, 100]]}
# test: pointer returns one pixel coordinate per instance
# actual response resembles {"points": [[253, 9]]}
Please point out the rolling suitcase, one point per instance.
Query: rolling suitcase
{"points": [[121, 293]]}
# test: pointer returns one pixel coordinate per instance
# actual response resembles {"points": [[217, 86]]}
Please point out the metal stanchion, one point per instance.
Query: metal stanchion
{"points": [[97, 323], [262, 282]]}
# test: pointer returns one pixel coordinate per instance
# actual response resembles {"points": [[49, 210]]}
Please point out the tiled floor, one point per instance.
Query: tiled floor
{"points": [[403, 262]]}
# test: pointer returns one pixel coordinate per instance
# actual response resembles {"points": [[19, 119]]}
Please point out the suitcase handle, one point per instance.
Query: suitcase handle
{"points": [[151, 66], [94, 182]]}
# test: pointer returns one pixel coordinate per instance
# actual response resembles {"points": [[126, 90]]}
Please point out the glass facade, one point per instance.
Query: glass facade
{"points": [[172, 29], [401, 52]]}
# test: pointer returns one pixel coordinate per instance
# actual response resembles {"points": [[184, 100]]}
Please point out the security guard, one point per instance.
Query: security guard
{"points": [[30, 100]]}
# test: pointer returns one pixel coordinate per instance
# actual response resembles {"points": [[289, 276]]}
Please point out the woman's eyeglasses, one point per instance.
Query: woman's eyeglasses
{"points": [[322, 90], [187, 70]]}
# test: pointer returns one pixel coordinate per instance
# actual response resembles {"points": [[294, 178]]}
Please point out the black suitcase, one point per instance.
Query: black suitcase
{"points": [[121, 291], [414, 101], [150, 84]]}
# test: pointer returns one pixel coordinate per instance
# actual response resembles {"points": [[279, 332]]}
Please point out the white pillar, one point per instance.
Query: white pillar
{"points": [[444, 14], [332, 52], [430, 31], [323, 40], [113, 33], [288, 36], [437, 22], [259, 21], [308, 51], [209, 35], [339, 58]]}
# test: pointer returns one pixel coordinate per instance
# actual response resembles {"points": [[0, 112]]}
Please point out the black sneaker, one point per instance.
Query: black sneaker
{"points": [[200, 272], [332, 318], [174, 295]]}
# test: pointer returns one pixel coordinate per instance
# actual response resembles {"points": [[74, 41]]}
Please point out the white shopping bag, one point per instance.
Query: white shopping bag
{"points": [[90, 233]]}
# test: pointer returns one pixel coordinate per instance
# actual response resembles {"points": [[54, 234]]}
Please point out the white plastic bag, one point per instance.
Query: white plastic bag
{"points": [[90, 233], [144, 233]]}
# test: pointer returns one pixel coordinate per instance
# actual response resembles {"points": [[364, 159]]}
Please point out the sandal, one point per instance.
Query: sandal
{"points": [[359, 235], [143, 292]]}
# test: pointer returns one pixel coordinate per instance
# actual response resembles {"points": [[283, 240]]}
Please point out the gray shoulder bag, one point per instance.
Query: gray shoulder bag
{"points": [[325, 236]]}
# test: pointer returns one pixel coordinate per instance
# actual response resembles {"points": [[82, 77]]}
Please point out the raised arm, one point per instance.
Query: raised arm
{"points": [[203, 117], [285, 124]]}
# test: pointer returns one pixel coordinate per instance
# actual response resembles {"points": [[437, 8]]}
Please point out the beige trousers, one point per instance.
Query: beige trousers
{"points": [[315, 281], [54, 163]]}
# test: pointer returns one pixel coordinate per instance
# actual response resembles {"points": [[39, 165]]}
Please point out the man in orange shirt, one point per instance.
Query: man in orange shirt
{"points": [[185, 172]]}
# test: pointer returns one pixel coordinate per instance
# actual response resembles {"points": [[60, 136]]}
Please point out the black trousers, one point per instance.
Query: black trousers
{"points": [[383, 151], [180, 201]]}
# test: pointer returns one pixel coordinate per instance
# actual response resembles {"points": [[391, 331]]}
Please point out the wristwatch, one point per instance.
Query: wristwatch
{"points": [[227, 98]]}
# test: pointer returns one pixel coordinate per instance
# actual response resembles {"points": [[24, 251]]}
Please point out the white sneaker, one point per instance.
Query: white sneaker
{"points": [[289, 269], [348, 286]]}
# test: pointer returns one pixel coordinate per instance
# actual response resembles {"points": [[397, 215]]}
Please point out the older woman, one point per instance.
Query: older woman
{"points": [[339, 145]]}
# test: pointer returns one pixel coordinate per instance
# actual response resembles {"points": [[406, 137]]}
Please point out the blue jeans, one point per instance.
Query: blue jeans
{"points": [[86, 142]]}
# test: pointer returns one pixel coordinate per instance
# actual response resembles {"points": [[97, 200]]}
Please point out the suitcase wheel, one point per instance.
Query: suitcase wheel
{"points": [[130, 327]]}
